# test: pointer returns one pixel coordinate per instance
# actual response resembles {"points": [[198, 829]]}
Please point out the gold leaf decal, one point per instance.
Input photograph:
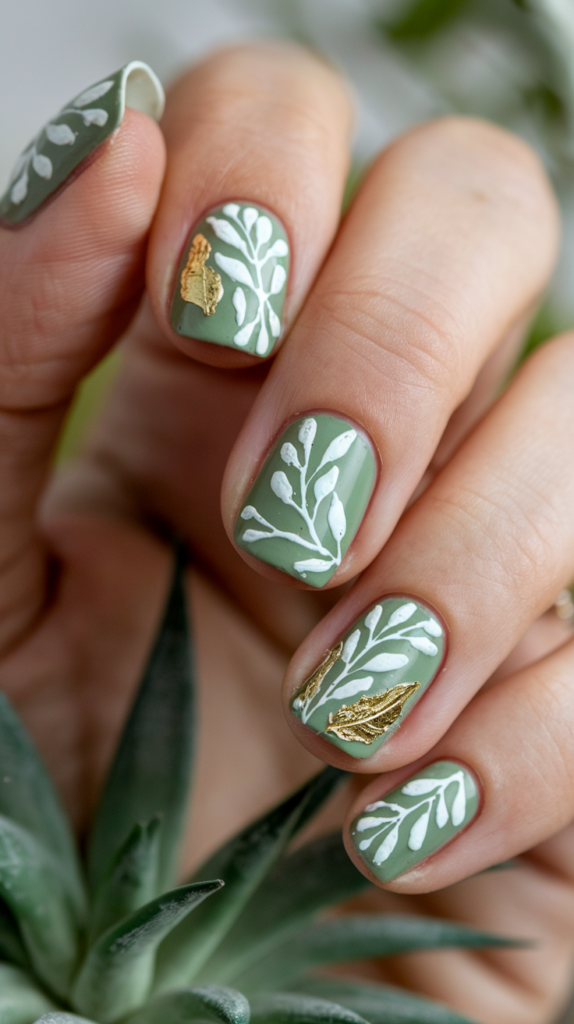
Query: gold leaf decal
{"points": [[200, 284], [314, 681], [370, 717]]}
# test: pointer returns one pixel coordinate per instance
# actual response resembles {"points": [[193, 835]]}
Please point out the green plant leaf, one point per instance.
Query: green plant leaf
{"points": [[150, 774], [28, 798], [294, 1008], [209, 1003], [130, 882], [11, 945], [423, 19], [242, 863], [381, 1004], [117, 973], [21, 1002], [359, 937], [32, 887], [316, 876]]}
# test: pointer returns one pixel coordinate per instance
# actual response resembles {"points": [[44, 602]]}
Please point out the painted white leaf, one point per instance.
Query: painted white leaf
{"points": [[419, 787], [95, 116], [406, 611], [274, 323], [249, 512], [387, 846], [251, 535], [60, 134], [263, 340], [386, 662], [264, 230], [420, 643], [350, 646], [326, 484], [240, 305], [365, 843], [279, 248], [459, 806], [235, 269], [312, 565], [419, 831], [355, 686], [20, 189], [42, 165], [250, 215], [441, 810], [231, 209], [364, 823], [432, 627], [373, 617], [278, 279], [243, 336], [336, 517], [375, 806], [307, 432], [281, 486], [92, 94], [227, 233], [289, 454], [339, 446]]}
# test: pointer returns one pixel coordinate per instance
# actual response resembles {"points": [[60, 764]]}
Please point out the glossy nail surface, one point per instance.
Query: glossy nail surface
{"points": [[73, 134], [369, 682], [416, 819], [309, 498], [232, 280]]}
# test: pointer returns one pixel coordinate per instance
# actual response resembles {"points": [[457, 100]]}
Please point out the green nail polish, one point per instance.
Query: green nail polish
{"points": [[74, 133], [369, 682], [232, 280], [308, 501], [416, 819]]}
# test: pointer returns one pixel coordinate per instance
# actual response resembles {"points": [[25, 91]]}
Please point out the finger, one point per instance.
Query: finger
{"points": [[69, 282], [484, 552], [257, 139], [437, 259]]}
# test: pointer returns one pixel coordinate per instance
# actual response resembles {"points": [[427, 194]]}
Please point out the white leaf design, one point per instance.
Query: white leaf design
{"points": [[249, 512], [432, 627], [326, 484], [350, 646], [339, 446], [262, 340], [289, 454], [420, 643], [312, 565], [242, 337], [20, 189], [373, 617], [419, 831], [279, 248], [240, 305], [60, 134], [274, 323], [250, 215], [406, 611], [306, 435], [336, 517], [95, 116], [386, 662], [365, 843], [93, 94], [419, 787], [278, 279], [231, 209], [441, 810], [459, 805], [42, 165], [227, 233], [251, 535], [387, 846], [264, 230], [281, 486], [235, 269], [364, 823], [356, 686]]}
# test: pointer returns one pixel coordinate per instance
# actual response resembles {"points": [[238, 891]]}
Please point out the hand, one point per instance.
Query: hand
{"points": [[400, 326]]}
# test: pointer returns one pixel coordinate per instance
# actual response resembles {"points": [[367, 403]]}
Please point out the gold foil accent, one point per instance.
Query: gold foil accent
{"points": [[370, 717], [200, 284], [314, 681]]}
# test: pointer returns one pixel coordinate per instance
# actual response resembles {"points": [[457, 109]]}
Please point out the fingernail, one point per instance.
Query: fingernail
{"points": [[309, 498], [416, 819], [232, 280], [373, 677], [73, 134]]}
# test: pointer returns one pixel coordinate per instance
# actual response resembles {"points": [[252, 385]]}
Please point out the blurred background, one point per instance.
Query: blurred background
{"points": [[510, 61]]}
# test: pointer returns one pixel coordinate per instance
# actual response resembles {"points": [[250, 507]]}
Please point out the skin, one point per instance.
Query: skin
{"points": [[405, 319]]}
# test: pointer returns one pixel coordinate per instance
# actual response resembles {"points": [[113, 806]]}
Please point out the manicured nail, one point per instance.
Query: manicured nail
{"points": [[73, 134], [232, 280], [371, 679], [416, 819], [308, 501]]}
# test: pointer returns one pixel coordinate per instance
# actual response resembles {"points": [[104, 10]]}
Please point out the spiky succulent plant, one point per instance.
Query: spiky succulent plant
{"points": [[109, 940]]}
